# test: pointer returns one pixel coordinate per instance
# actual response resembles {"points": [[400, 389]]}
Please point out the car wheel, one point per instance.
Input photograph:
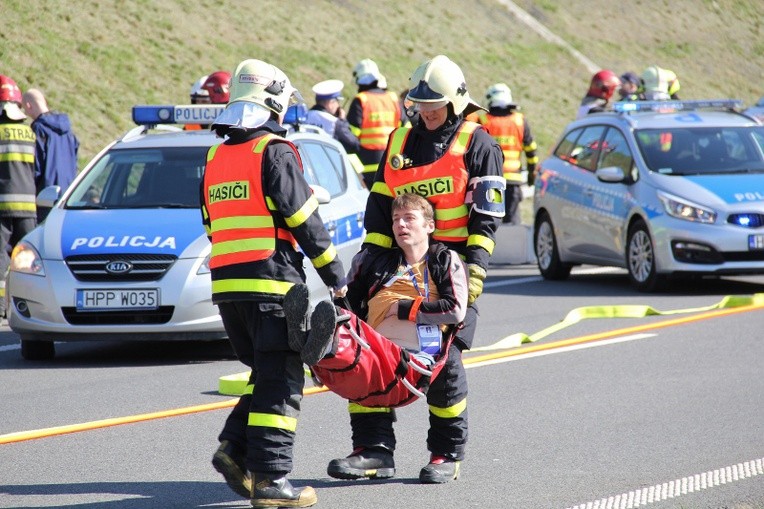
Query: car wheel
{"points": [[547, 256], [640, 258], [34, 350]]}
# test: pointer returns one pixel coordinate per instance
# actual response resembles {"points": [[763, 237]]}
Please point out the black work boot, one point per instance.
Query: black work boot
{"points": [[230, 463], [296, 309], [439, 470], [374, 463], [323, 323], [275, 490]]}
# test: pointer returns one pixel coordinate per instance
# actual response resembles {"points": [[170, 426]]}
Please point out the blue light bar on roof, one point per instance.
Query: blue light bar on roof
{"points": [[178, 114], [629, 106]]}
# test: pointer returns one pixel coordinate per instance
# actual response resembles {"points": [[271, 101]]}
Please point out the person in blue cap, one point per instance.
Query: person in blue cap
{"points": [[329, 115]]}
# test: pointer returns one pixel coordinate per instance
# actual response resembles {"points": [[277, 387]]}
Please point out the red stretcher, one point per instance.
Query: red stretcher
{"points": [[372, 371]]}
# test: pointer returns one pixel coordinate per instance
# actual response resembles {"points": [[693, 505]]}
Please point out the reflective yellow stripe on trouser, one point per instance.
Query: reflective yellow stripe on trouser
{"points": [[355, 408], [272, 421], [449, 412]]}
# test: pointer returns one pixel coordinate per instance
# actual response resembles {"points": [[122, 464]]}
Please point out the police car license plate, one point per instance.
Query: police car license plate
{"points": [[111, 299], [756, 242]]}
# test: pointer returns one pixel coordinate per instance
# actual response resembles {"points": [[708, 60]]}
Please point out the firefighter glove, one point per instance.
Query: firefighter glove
{"points": [[476, 277]]}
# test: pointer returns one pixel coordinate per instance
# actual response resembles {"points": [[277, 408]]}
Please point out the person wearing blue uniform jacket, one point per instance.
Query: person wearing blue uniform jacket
{"points": [[57, 145]]}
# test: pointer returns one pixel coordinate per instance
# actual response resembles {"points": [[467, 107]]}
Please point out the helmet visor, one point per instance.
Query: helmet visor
{"points": [[423, 93], [243, 115]]}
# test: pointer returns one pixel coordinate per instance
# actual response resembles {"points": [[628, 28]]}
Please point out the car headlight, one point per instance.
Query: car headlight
{"points": [[683, 209], [26, 259], [204, 268]]}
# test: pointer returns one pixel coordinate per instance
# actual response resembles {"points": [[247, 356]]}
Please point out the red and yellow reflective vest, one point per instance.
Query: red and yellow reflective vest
{"points": [[443, 182], [508, 132], [241, 224], [381, 115]]}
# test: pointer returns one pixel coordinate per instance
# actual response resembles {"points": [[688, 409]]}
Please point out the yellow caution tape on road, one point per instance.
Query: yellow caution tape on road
{"points": [[621, 311]]}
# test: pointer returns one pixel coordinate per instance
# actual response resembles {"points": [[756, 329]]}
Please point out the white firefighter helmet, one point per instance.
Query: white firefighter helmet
{"points": [[499, 95], [366, 72], [197, 92], [257, 90], [438, 82]]}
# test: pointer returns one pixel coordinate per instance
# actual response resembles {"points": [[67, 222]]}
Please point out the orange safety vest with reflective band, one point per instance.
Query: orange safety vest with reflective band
{"points": [[381, 115], [241, 224], [508, 133], [443, 182]]}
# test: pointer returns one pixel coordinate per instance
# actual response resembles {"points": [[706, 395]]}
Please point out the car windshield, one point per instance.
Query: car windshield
{"points": [[700, 151], [142, 178]]}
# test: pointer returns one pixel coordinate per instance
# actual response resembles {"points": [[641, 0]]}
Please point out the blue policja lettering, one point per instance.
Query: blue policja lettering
{"points": [[132, 241]]}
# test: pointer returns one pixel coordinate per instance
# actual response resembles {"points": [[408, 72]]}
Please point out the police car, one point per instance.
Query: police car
{"points": [[660, 188], [123, 255]]}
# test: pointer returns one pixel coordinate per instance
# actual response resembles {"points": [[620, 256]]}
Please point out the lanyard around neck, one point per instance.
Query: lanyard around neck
{"points": [[426, 293]]}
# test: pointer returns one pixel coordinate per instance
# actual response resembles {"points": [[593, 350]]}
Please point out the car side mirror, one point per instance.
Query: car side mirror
{"points": [[612, 174], [49, 196], [321, 194]]}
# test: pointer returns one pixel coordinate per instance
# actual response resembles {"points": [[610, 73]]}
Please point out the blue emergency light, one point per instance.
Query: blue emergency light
{"points": [[296, 114], [669, 106], [176, 114]]}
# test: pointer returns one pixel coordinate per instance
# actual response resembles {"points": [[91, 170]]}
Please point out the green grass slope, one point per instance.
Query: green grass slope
{"points": [[95, 59]]}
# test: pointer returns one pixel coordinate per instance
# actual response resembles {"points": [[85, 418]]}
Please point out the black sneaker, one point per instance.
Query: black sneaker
{"points": [[374, 463], [276, 491], [323, 323], [230, 463], [296, 309], [439, 470]]}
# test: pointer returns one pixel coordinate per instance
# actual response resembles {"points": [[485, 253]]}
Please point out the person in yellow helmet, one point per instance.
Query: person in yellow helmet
{"points": [[457, 166], [660, 84], [257, 208]]}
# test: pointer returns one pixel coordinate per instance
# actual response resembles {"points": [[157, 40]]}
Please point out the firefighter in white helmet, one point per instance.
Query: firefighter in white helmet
{"points": [[457, 166], [373, 114], [257, 208], [512, 132]]}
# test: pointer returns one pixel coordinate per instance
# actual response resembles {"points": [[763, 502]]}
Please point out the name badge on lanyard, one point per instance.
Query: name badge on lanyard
{"points": [[430, 336]]}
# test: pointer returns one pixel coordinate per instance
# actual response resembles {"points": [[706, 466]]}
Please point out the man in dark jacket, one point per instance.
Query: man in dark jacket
{"points": [[57, 145]]}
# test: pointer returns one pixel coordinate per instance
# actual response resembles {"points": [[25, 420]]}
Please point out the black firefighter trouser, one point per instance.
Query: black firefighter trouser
{"points": [[447, 401], [263, 423]]}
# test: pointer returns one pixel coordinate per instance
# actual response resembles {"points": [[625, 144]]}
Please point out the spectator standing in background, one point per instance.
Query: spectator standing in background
{"points": [[56, 146]]}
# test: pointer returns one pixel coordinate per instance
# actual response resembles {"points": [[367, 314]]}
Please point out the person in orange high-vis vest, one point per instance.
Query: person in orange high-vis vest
{"points": [[456, 166], [372, 116], [257, 208], [512, 132]]}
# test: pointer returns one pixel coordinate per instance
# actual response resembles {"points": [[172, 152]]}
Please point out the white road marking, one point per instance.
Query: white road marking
{"points": [[678, 487], [535, 279], [561, 349]]}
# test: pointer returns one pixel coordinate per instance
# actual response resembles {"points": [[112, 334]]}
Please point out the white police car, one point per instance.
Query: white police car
{"points": [[660, 188], [123, 255]]}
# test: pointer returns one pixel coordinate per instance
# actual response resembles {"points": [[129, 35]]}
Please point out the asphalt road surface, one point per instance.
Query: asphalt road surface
{"points": [[621, 400]]}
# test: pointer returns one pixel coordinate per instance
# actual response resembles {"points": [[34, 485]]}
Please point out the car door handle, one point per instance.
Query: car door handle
{"points": [[588, 192]]}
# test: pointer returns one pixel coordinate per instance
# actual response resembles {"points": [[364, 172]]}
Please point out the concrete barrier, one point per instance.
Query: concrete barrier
{"points": [[514, 245]]}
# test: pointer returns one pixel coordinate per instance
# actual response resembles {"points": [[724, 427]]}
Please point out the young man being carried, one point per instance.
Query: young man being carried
{"points": [[407, 297]]}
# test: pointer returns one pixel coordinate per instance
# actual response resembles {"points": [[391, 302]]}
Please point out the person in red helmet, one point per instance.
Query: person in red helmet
{"points": [[18, 212], [217, 85], [603, 86], [211, 89]]}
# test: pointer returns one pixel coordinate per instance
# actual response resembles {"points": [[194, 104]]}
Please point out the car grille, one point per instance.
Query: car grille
{"points": [[142, 317], [145, 267]]}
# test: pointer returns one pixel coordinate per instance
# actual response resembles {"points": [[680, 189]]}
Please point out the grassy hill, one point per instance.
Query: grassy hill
{"points": [[94, 59]]}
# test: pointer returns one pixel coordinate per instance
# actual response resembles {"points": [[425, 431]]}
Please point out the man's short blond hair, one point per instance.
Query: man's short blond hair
{"points": [[411, 201]]}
